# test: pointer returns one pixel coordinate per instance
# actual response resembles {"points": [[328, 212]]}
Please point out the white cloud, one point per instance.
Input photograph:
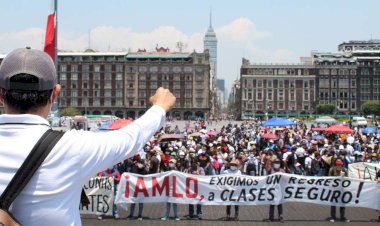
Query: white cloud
{"points": [[238, 39], [33, 37]]}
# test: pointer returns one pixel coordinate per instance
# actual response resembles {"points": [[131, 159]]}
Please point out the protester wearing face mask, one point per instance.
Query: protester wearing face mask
{"points": [[171, 166], [139, 168], [181, 161], [195, 169], [338, 170], [276, 168], [165, 159], [115, 174], [233, 169]]}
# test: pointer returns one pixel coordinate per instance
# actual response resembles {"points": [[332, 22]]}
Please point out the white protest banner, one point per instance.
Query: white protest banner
{"points": [[177, 187], [363, 170], [100, 192]]}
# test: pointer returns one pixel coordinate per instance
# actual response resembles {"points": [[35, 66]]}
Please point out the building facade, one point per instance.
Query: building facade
{"points": [[346, 78], [121, 83], [276, 89], [349, 77]]}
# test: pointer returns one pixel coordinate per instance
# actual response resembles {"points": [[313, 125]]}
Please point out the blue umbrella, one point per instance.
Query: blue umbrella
{"points": [[369, 130], [104, 126], [318, 137], [278, 122]]}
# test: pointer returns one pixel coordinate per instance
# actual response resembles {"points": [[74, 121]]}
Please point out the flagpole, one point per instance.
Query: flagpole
{"points": [[56, 37], [55, 105]]}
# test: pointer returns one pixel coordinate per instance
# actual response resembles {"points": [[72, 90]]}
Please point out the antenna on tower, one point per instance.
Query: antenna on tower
{"points": [[210, 16], [89, 39]]}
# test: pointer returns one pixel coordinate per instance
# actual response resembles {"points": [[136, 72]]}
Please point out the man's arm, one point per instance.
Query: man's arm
{"points": [[98, 151]]}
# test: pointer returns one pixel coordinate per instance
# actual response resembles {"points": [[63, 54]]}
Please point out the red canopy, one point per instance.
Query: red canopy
{"points": [[270, 136], [120, 123], [318, 129], [339, 129]]}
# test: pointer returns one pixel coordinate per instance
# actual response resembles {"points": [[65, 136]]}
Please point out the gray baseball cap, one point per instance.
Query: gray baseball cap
{"points": [[28, 61]]}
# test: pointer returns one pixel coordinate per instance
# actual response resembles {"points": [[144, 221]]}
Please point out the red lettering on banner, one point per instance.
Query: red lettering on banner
{"points": [[175, 194], [156, 186], [140, 182], [126, 193], [195, 182]]}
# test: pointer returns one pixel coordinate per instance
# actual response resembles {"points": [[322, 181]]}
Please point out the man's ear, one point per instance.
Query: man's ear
{"points": [[56, 91]]}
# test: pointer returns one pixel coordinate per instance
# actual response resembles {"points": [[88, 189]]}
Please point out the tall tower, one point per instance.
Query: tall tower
{"points": [[211, 43]]}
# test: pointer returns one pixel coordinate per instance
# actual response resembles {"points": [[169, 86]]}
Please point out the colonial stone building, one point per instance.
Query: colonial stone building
{"points": [[121, 83], [347, 78], [276, 89]]}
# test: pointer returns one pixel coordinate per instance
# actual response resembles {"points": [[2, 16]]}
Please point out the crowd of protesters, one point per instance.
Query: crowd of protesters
{"points": [[241, 149]]}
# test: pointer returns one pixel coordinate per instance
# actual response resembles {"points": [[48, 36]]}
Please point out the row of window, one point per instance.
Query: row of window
{"points": [[95, 85], [281, 106], [325, 93], [95, 93], [96, 68], [86, 76], [263, 71], [326, 71], [269, 95], [270, 83], [74, 102]]}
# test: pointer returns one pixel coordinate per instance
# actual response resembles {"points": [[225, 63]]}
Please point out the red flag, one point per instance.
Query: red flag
{"points": [[50, 36]]}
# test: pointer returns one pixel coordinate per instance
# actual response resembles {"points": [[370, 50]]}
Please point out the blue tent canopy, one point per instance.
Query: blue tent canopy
{"points": [[278, 122], [369, 130]]}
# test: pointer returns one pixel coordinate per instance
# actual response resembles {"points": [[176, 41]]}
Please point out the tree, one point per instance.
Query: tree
{"points": [[371, 107], [70, 111], [326, 109]]}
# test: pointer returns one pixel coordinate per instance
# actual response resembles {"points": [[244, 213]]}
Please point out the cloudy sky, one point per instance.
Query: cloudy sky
{"points": [[263, 31]]}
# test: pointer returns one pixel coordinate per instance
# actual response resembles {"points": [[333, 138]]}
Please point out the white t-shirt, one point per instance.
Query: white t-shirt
{"points": [[52, 195], [308, 162]]}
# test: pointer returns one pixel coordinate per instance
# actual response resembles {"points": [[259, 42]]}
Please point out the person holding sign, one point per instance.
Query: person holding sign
{"points": [[28, 90], [336, 171], [233, 170], [172, 166], [276, 167]]}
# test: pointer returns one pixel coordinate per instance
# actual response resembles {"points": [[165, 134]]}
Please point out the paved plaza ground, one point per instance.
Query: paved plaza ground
{"points": [[295, 214]]}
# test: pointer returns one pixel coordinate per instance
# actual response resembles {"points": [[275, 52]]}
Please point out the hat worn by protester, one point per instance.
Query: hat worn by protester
{"points": [[28, 61], [234, 163]]}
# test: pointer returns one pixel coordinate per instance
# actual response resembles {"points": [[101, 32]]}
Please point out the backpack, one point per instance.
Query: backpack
{"points": [[251, 166], [315, 167]]}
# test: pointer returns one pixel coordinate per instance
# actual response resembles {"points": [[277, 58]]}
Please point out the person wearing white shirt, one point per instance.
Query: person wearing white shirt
{"points": [[28, 89], [233, 169]]}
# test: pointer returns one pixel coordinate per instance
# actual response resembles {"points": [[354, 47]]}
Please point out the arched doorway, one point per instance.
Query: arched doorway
{"points": [[141, 113], [131, 114], [108, 112], [187, 114], [176, 115], [119, 114], [96, 113], [199, 114], [83, 112]]}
